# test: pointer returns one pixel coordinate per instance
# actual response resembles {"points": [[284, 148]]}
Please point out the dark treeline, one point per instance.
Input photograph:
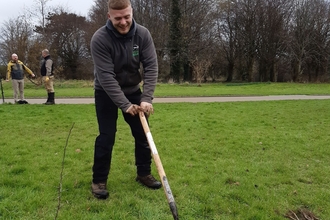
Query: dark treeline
{"points": [[196, 40]]}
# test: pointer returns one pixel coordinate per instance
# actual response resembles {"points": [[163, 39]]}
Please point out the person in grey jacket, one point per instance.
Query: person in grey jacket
{"points": [[47, 73], [118, 49]]}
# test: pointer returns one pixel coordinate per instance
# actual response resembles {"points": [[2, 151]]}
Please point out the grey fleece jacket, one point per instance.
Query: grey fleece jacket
{"points": [[117, 61]]}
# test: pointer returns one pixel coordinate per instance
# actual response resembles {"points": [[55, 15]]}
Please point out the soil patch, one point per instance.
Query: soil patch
{"points": [[301, 214]]}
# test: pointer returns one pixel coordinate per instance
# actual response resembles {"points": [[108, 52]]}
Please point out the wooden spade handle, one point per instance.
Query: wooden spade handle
{"points": [[159, 166]]}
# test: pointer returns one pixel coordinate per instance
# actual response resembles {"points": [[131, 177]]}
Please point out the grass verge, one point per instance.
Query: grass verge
{"points": [[76, 89]]}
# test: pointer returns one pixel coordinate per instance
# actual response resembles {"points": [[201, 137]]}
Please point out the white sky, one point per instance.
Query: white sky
{"points": [[10, 9]]}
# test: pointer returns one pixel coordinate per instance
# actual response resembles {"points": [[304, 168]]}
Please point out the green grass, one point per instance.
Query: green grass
{"points": [[74, 88], [240, 161], [243, 89]]}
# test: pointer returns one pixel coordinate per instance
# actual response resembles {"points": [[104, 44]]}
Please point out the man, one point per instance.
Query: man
{"points": [[47, 74], [118, 49], [15, 71]]}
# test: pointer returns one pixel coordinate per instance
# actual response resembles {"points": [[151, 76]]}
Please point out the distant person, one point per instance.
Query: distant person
{"points": [[118, 49], [47, 73], [15, 71]]}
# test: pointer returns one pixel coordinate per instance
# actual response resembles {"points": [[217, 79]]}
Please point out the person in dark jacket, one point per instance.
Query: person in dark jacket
{"points": [[15, 71], [118, 49], [46, 70]]}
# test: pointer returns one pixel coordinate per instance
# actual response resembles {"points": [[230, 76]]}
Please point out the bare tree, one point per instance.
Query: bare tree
{"points": [[175, 41], [98, 13], [300, 32], [272, 19], [155, 16], [198, 32], [249, 36], [227, 32], [318, 60], [309, 39], [97, 18], [200, 69], [40, 11], [15, 36]]}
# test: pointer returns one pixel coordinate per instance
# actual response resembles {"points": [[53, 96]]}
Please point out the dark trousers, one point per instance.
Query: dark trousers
{"points": [[107, 114]]}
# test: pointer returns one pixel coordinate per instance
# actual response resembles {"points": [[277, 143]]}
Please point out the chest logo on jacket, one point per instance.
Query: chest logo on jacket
{"points": [[135, 50]]}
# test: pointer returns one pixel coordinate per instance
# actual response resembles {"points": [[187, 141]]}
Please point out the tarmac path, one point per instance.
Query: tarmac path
{"points": [[188, 99]]}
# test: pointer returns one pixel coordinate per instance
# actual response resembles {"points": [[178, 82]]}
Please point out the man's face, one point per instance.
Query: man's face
{"points": [[14, 58], [121, 19]]}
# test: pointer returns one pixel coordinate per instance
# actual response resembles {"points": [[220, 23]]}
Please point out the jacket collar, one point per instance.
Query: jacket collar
{"points": [[18, 61]]}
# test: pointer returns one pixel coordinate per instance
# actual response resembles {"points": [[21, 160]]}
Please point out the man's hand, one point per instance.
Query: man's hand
{"points": [[147, 108], [134, 110], [33, 75]]}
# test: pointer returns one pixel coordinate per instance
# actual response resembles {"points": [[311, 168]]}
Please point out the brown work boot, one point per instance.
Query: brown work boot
{"points": [[99, 190], [149, 181]]}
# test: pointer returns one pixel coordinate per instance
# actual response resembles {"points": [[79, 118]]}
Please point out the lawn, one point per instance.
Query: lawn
{"points": [[228, 161]]}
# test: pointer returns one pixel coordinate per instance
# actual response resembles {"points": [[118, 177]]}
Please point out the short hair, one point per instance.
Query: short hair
{"points": [[45, 51], [14, 55], [118, 4]]}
